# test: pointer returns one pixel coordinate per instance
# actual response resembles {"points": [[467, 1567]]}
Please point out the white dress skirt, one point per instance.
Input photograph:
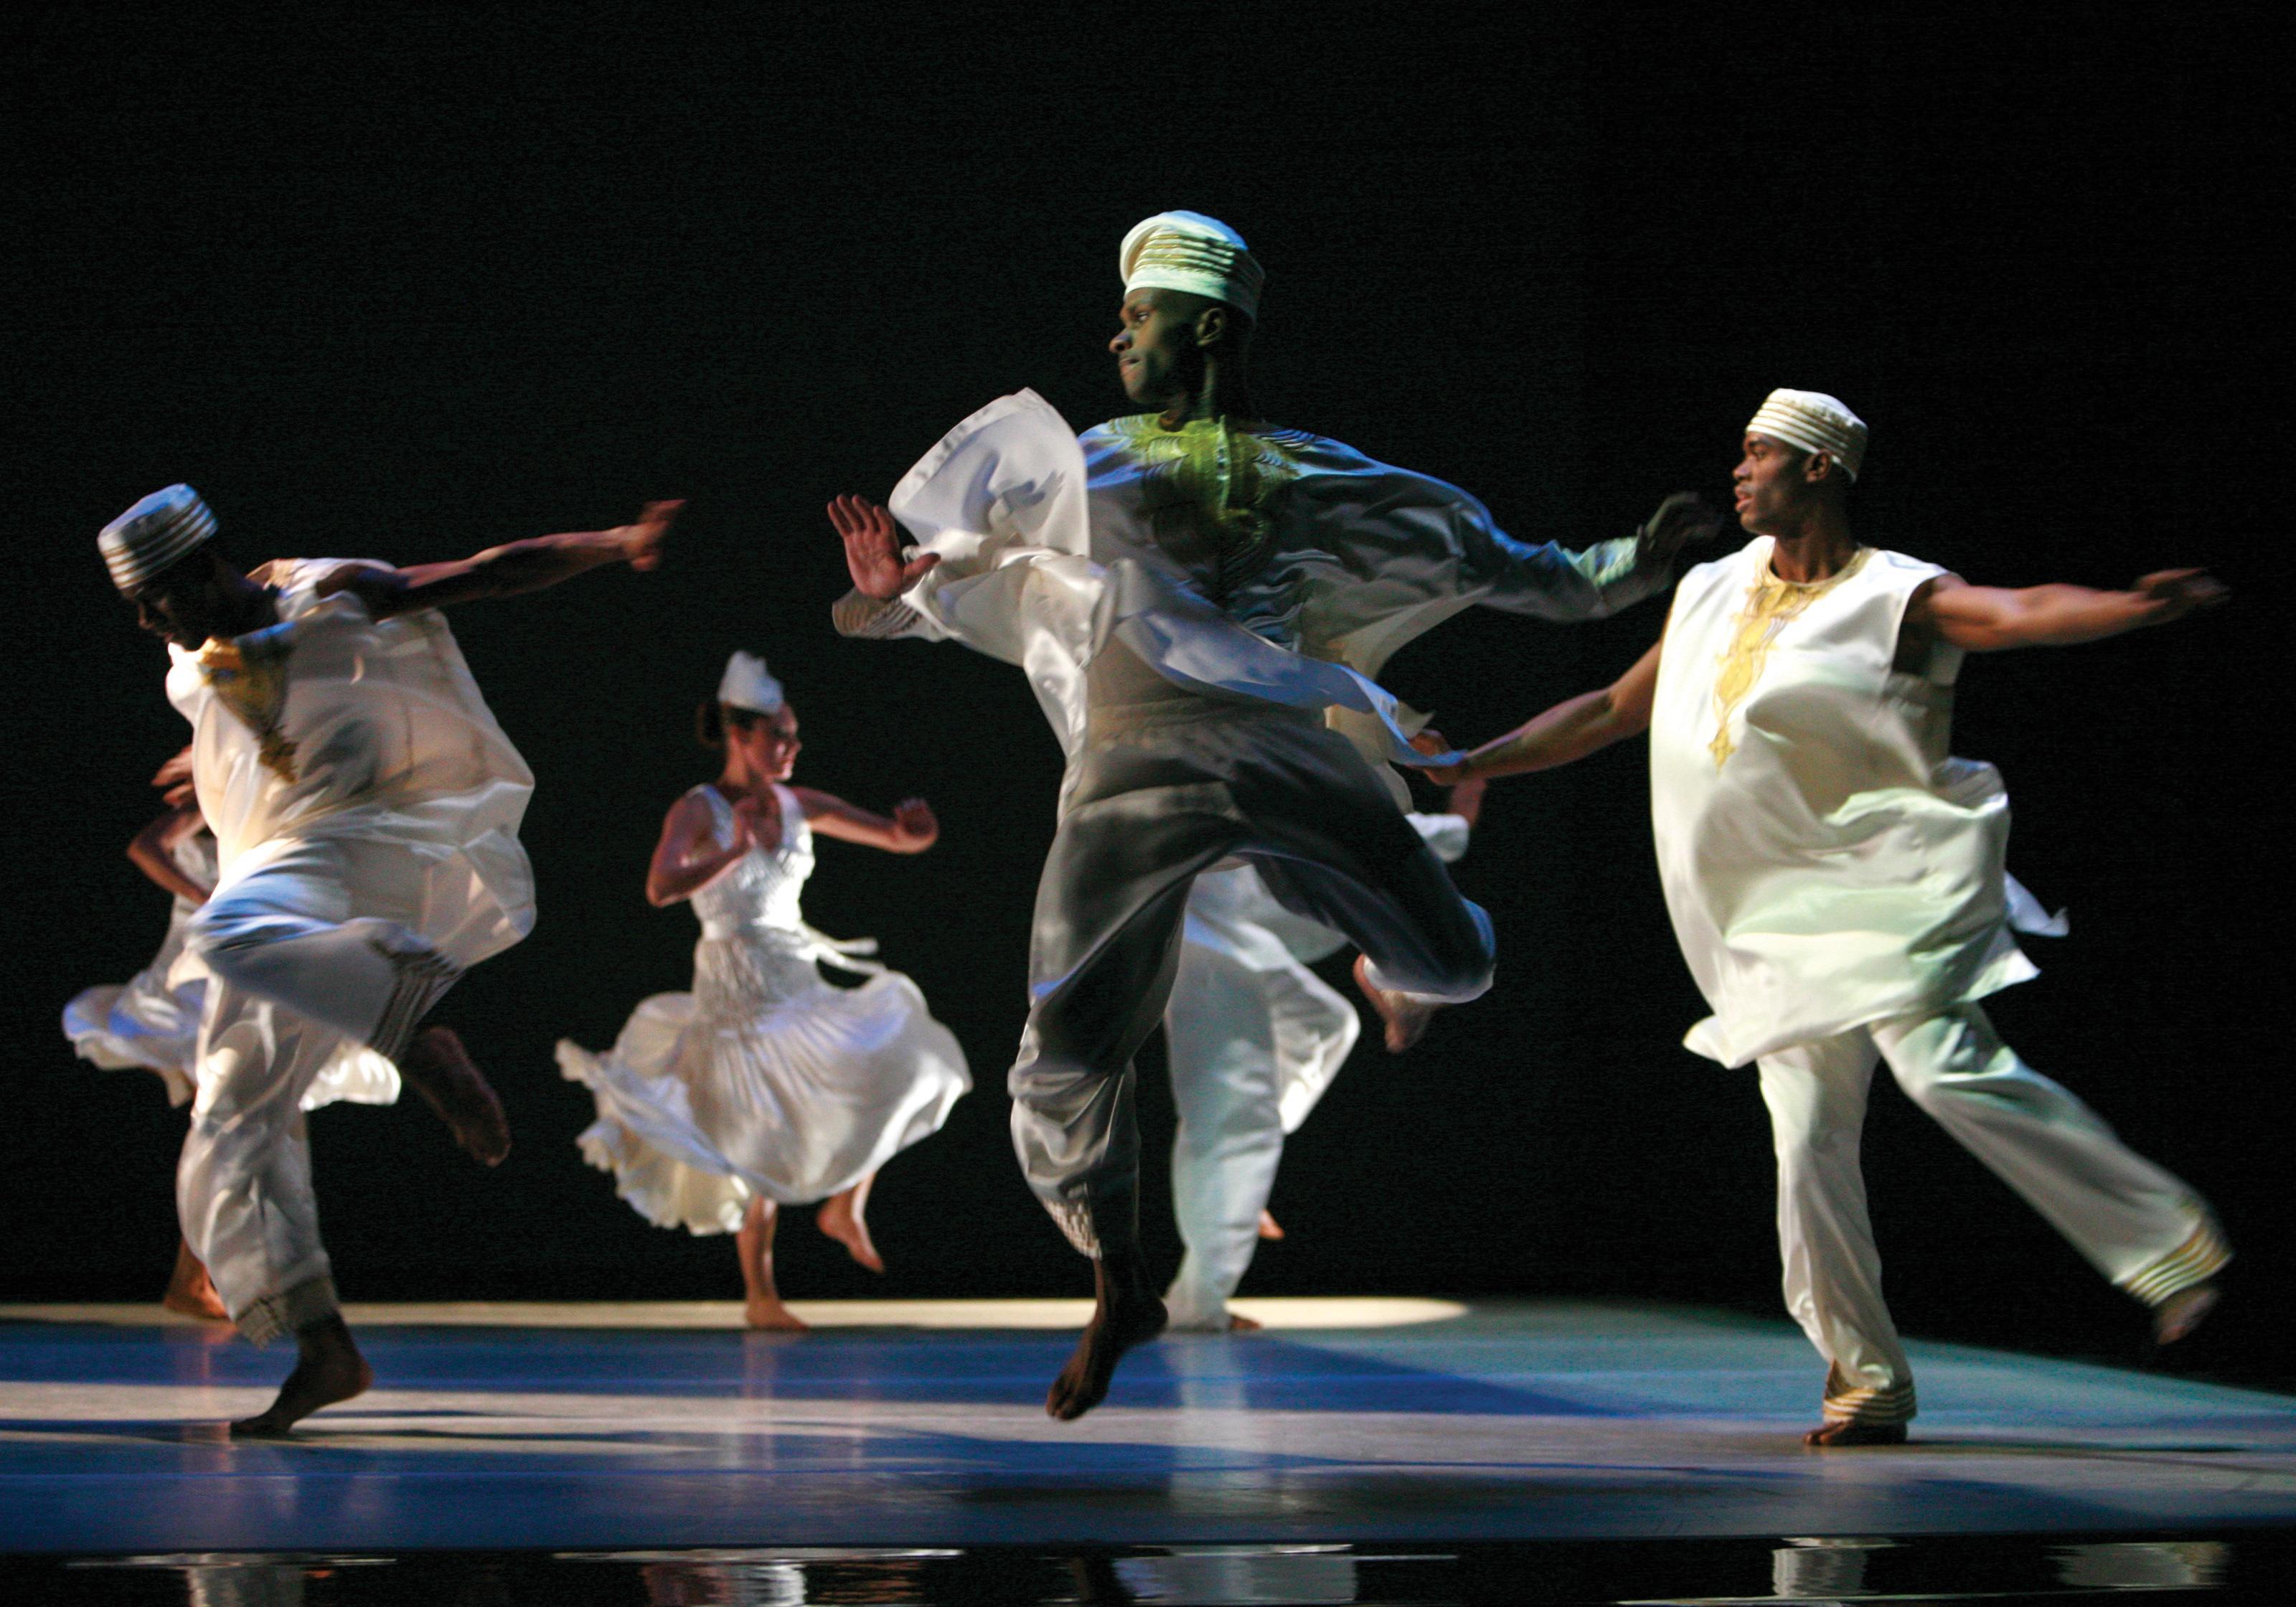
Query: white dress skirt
{"points": [[153, 1019], [765, 1079]]}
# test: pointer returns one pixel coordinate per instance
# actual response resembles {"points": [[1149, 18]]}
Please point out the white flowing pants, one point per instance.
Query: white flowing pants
{"points": [[1230, 1031], [317, 946], [2138, 1225], [1150, 808]]}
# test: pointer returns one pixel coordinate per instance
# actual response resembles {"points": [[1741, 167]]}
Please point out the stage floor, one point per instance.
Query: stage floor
{"points": [[606, 1428]]}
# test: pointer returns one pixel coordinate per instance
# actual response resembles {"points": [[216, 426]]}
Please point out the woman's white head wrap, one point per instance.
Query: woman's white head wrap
{"points": [[154, 534], [746, 685], [1815, 422], [1189, 251]]}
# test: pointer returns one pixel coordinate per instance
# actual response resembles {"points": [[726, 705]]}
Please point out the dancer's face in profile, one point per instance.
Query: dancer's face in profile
{"points": [[184, 603], [1158, 354], [1776, 485], [768, 743]]}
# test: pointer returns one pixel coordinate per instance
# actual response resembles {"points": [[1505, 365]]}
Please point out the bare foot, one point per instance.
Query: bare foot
{"points": [[772, 1315], [1844, 1431], [1404, 1016], [1268, 1226], [190, 1291], [2183, 1311], [842, 1219], [439, 1068], [1126, 1313], [328, 1368], [1237, 1323]]}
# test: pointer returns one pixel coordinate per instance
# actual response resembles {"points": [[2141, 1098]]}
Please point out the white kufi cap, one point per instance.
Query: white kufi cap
{"points": [[746, 685], [1815, 422], [154, 534], [1189, 251]]}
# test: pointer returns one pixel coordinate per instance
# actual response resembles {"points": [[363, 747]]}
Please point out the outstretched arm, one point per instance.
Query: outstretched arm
{"points": [[506, 570], [1987, 619], [1572, 729], [910, 829], [153, 851], [688, 857]]}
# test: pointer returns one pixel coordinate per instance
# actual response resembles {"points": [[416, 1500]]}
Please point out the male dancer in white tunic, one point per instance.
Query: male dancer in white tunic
{"points": [[1837, 885], [366, 808], [1191, 591], [1253, 1039]]}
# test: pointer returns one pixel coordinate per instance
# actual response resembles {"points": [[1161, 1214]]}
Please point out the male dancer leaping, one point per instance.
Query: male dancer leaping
{"points": [[1192, 592], [365, 807], [1837, 885]]}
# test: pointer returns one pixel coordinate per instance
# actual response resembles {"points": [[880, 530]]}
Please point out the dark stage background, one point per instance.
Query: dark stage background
{"points": [[404, 281]]}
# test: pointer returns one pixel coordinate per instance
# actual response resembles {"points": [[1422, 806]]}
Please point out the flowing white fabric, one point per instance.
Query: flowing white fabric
{"points": [[1052, 546], [1838, 866], [1252, 1039], [764, 1080], [152, 1021], [366, 807]]}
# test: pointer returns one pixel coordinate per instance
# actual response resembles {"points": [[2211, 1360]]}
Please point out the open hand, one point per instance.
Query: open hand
{"points": [[2178, 592], [641, 540], [873, 548], [914, 825], [1682, 518]]}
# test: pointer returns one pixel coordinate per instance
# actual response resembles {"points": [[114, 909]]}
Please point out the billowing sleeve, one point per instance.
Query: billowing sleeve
{"points": [[1447, 834]]}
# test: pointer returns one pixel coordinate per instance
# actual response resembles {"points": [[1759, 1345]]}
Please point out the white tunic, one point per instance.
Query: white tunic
{"points": [[1827, 864], [764, 1080], [331, 724], [1274, 567]]}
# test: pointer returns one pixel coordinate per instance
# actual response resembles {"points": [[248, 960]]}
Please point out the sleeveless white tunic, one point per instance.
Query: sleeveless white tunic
{"points": [[153, 1019], [764, 1080], [1826, 862]]}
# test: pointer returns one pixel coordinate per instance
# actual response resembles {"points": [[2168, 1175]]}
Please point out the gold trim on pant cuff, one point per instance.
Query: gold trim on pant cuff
{"points": [[277, 1316], [2196, 1260]]}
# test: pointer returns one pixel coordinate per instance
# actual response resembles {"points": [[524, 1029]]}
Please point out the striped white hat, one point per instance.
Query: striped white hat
{"points": [[1815, 422], [154, 534], [746, 685], [1189, 251]]}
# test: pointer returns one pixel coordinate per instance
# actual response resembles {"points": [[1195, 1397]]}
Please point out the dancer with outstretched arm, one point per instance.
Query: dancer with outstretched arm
{"points": [[1200, 600], [764, 1087], [1836, 880], [365, 807]]}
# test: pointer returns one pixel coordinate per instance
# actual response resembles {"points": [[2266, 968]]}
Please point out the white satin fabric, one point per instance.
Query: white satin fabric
{"points": [[152, 1020], [1840, 867], [764, 1080], [1052, 547], [356, 882], [1252, 1039]]}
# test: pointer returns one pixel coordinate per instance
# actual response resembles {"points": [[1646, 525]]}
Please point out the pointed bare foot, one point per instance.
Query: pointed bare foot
{"points": [[1846, 1431], [774, 1316], [190, 1291], [328, 1368], [839, 1219], [1126, 1312], [1268, 1226], [1237, 1323], [439, 1068], [2183, 1311], [1405, 1017]]}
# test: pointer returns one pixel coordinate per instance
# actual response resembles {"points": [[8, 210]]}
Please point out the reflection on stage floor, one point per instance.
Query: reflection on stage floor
{"points": [[1343, 1429]]}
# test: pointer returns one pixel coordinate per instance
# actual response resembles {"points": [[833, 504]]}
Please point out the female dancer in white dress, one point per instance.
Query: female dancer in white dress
{"points": [[764, 1087], [153, 1019]]}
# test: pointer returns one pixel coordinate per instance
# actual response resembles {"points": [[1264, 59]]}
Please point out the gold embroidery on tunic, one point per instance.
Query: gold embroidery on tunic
{"points": [[1771, 604], [1211, 490], [249, 674]]}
